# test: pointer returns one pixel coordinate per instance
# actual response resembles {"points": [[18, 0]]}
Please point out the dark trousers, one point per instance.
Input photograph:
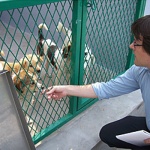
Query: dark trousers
{"points": [[128, 124]]}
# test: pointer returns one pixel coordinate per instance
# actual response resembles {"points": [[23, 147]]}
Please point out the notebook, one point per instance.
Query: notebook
{"points": [[136, 138]]}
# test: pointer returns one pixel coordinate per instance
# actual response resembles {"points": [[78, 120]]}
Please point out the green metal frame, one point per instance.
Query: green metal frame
{"points": [[76, 24], [13, 4]]}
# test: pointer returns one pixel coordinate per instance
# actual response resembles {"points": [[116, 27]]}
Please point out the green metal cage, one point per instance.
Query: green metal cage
{"points": [[86, 41]]}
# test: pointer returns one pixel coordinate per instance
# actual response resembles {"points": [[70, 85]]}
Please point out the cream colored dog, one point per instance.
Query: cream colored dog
{"points": [[26, 85], [29, 62]]}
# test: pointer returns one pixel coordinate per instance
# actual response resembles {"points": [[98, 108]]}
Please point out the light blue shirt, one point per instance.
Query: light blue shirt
{"points": [[133, 79]]}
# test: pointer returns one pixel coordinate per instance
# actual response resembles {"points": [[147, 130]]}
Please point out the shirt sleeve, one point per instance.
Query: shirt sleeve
{"points": [[122, 84]]}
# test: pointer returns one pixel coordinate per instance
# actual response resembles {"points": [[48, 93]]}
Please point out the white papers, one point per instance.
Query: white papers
{"points": [[135, 138]]}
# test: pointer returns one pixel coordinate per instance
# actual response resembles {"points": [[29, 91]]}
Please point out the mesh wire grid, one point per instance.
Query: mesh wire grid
{"points": [[106, 50], [108, 36]]}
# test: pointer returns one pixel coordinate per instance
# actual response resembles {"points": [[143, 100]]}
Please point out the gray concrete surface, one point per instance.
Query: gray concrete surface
{"points": [[82, 133]]}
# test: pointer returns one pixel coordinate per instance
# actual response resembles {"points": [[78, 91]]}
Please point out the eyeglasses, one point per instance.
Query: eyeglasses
{"points": [[135, 44]]}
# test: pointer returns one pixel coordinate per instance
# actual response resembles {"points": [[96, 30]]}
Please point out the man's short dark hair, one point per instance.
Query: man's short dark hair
{"points": [[141, 28]]}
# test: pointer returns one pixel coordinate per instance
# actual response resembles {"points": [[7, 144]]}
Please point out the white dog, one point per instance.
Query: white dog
{"points": [[89, 58], [46, 47], [54, 55]]}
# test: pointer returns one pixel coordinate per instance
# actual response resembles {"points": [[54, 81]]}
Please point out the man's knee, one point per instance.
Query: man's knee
{"points": [[104, 133], [111, 129]]}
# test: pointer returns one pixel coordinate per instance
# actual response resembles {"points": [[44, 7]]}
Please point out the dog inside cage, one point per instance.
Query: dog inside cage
{"points": [[32, 52]]}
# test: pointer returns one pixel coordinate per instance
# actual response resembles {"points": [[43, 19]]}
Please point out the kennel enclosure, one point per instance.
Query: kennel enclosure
{"points": [[101, 26]]}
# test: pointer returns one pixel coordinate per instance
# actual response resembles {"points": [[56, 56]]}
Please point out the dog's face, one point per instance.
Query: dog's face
{"points": [[89, 58], [31, 62], [48, 49], [26, 81]]}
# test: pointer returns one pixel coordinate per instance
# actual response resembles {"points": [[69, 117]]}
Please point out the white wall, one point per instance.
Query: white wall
{"points": [[147, 8]]}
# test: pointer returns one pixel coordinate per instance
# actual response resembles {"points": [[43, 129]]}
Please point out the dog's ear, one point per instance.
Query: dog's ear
{"points": [[41, 58], [69, 48], [66, 51], [53, 48], [24, 62]]}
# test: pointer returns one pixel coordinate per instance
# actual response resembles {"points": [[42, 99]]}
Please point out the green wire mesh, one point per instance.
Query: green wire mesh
{"points": [[107, 41], [109, 36]]}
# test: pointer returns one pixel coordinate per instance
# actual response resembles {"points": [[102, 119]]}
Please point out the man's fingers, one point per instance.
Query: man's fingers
{"points": [[147, 141], [50, 88], [50, 92], [55, 97]]}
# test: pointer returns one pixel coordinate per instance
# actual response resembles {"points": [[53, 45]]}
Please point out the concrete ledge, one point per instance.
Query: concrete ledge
{"points": [[82, 133]]}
